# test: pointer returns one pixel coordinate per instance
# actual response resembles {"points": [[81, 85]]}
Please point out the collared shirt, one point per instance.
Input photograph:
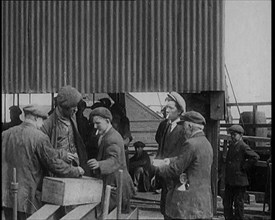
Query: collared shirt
{"points": [[174, 123], [102, 135]]}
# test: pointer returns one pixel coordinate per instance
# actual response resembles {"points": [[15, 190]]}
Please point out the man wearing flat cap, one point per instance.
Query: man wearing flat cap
{"points": [[15, 113], [240, 157], [140, 168], [169, 137], [111, 158], [61, 127], [29, 150], [191, 167]]}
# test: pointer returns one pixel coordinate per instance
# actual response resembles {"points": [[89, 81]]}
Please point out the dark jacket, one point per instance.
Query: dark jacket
{"points": [[52, 129], [240, 157], [111, 157], [142, 161], [29, 151], [196, 161], [169, 145]]}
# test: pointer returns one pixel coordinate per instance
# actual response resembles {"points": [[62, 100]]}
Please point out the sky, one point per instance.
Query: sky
{"points": [[248, 49]]}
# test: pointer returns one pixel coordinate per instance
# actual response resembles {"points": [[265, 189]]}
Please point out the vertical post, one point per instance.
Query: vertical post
{"points": [[52, 97], [5, 108], [30, 98], [212, 135], [254, 119], [18, 99], [13, 99], [119, 194], [106, 202], [14, 189]]}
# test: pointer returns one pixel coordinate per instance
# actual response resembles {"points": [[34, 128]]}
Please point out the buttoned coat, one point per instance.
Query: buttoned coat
{"points": [[196, 161], [240, 157], [169, 144], [111, 158], [29, 151], [51, 128]]}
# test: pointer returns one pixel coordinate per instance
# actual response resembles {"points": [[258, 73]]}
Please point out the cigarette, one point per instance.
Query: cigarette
{"points": [[96, 133]]}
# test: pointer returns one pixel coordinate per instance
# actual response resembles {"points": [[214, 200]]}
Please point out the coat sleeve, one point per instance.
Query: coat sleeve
{"points": [[49, 157], [111, 163], [178, 164], [251, 157]]}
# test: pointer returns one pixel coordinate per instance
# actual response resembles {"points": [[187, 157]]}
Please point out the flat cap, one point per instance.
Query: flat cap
{"points": [[102, 112], [15, 109], [194, 117], [35, 110], [178, 99], [236, 128], [68, 97], [139, 144]]}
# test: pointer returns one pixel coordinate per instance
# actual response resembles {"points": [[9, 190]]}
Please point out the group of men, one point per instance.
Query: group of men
{"points": [[53, 145]]}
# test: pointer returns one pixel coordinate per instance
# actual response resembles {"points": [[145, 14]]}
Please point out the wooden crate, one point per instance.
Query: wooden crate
{"points": [[71, 191]]}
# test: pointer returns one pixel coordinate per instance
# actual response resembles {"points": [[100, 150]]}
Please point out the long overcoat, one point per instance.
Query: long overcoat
{"points": [[54, 131], [170, 145], [111, 157], [29, 151], [196, 160], [240, 157]]}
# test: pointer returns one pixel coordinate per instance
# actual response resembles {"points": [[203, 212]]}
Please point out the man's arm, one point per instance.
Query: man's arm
{"points": [[251, 157], [178, 164], [111, 163], [49, 157]]}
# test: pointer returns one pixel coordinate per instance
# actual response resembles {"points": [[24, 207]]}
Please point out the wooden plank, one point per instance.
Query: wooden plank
{"points": [[47, 212], [71, 191], [249, 138], [132, 215], [248, 124], [112, 214], [82, 212]]}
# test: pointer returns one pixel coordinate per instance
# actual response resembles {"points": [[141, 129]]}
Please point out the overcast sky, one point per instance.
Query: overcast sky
{"points": [[248, 49]]}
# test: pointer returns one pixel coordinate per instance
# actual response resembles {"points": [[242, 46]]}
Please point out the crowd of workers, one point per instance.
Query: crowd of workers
{"points": [[64, 143]]}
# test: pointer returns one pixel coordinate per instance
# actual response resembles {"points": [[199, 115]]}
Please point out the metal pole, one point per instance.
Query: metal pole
{"points": [[14, 189], [234, 95]]}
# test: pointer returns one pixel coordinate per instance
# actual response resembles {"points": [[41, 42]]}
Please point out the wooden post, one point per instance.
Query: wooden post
{"points": [[14, 189], [106, 202], [119, 194], [212, 135]]}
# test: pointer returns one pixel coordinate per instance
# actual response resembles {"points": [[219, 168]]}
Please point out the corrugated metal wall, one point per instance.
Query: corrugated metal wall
{"points": [[112, 46]]}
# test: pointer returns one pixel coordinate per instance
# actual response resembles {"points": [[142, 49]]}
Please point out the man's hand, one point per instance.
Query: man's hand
{"points": [[153, 182], [93, 164], [167, 161], [70, 157], [81, 171]]}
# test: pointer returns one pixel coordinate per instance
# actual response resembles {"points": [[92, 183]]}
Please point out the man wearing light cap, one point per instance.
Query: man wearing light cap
{"points": [[194, 201], [111, 158], [29, 150], [169, 137], [240, 157], [61, 126]]}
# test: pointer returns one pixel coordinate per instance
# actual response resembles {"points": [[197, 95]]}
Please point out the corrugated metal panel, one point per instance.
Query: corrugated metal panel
{"points": [[113, 46]]}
